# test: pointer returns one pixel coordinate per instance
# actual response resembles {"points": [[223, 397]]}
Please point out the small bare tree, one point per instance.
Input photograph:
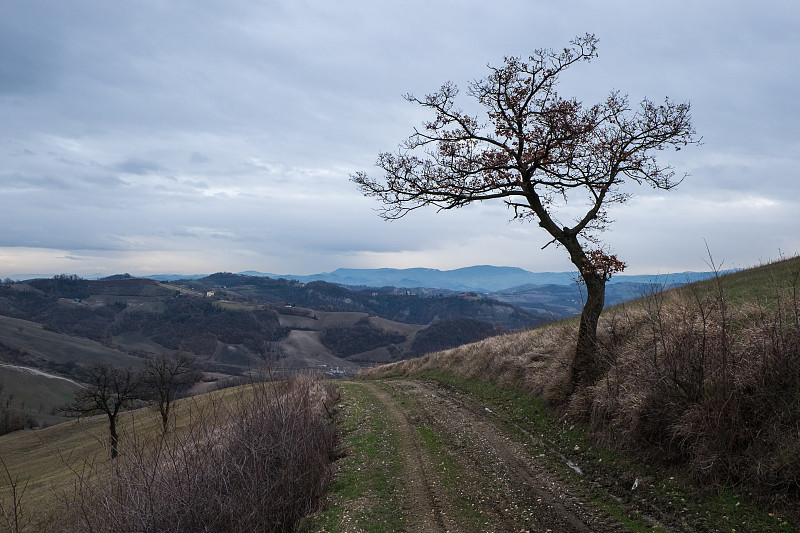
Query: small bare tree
{"points": [[535, 151], [164, 377], [11, 508], [109, 391]]}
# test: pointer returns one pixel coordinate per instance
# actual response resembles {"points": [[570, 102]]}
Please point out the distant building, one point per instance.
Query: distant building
{"points": [[209, 294]]}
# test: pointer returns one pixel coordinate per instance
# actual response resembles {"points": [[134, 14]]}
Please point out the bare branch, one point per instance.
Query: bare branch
{"points": [[535, 151]]}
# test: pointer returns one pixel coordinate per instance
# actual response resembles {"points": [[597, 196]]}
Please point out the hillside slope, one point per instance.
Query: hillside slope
{"points": [[31, 398], [249, 458], [229, 322], [704, 379], [27, 343]]}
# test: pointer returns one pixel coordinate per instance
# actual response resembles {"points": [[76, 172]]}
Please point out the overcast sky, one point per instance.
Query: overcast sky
{"points": [[197, 136]]}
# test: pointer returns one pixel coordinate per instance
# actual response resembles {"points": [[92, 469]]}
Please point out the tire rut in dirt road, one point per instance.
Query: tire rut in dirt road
{"points": [[499, 486], [424, 508]]}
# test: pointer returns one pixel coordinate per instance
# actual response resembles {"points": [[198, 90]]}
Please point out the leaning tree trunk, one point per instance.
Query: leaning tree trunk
{"points": [[586, 366]]}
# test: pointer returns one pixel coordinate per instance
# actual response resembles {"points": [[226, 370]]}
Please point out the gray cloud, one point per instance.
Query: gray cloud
{"points": [[198, 158], [142, 133], [28, 60], [138, 166]]}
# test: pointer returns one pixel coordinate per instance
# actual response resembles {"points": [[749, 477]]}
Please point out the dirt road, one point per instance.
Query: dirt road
{"points": [[461, 473], [37, 372]]}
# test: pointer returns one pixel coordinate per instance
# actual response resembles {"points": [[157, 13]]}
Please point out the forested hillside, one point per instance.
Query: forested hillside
{"points": [[232, 323], [409, 306]]}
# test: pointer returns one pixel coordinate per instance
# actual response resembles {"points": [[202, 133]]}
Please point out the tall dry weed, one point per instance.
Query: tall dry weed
{"points": [[700, 381]]}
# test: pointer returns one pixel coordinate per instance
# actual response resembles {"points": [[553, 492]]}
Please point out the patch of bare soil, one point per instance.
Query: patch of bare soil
{"points": [[499, 484], [302, 349]]}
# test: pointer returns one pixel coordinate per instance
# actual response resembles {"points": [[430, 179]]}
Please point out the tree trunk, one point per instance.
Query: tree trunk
{"points": [[112, 427], [164, 410], [586, 366]]}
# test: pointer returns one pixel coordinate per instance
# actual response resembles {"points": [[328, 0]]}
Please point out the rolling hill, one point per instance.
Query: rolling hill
{"points": [[701, 381], [232, 323], [229, 323]]}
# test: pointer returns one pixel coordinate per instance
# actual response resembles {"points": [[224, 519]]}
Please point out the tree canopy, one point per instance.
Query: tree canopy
{"points": [[109, 391], [536, 152]]}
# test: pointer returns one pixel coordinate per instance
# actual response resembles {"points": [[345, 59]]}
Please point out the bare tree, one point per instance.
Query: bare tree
{"points": [[109, 391], [536, 151], [167, 376], [11, 508]]}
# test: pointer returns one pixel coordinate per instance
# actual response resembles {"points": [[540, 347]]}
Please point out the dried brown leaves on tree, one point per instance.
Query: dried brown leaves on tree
{"points": [[536, 151]]}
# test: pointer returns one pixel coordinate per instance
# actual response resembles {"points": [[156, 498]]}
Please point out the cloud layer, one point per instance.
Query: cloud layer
{"points": [[177, 136]]}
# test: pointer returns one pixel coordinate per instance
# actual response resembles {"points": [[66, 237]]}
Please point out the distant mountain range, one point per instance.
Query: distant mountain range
{"points": [[481, 278]]}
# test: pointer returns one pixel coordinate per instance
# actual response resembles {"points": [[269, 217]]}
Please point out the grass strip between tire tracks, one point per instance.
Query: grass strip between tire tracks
{"points": [[449, 474], [365, 495]]}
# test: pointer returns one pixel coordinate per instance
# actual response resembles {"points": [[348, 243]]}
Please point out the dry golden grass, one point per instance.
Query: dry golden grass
{"points": [[536, 360]]}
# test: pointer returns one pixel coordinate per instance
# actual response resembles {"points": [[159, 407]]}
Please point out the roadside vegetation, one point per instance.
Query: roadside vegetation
{"points": [[702, 382], [253, 458]]}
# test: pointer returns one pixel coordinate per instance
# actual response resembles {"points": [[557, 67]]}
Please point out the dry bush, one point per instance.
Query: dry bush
{"points": [[12, 509], [258, 464], [697, 381]]}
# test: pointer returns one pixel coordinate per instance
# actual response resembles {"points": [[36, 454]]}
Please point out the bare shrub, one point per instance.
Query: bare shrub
{"points": [[11, 504], [707, 384], [259, 463]]}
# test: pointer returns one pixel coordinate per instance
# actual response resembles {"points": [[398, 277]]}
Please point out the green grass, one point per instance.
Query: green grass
{"points": [[370, 472], [450, 476], [756, 285], [523, 416], [34, 395]]}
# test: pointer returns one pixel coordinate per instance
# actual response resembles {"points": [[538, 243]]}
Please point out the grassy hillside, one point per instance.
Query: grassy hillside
{"points": [[41, 347], [33, 394], [255, 455], [704, 379], [760, 284]]}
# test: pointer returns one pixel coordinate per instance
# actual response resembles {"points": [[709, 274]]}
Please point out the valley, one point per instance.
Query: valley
{"points": [[234, 323], [480, 435], [230, 324]]}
